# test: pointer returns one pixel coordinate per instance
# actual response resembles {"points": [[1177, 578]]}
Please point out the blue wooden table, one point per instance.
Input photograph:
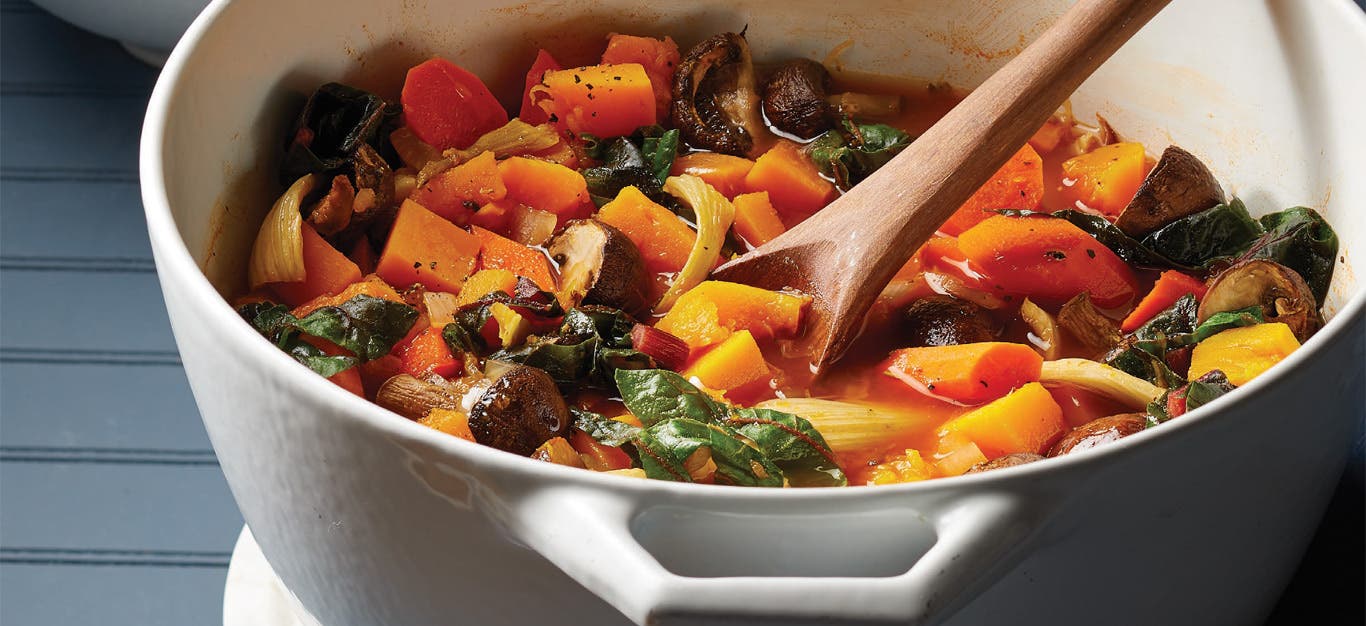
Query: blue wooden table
{"points": [[113, 510]]}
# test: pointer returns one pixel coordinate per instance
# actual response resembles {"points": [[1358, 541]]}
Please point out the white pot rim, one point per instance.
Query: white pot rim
{"points": [[175, 263]]}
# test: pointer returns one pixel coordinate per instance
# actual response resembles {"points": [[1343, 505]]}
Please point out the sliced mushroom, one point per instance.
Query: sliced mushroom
{"points": [[1083, 322], [521, 410], [945, 321], [715, 99], [1179, 185], [1099, 431], [414, 398], [795, 98], [333, 212], [374, 207], [1009, 460], [1281, 292], [600, 265]]}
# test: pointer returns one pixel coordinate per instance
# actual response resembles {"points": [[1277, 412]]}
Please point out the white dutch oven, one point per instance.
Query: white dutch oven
{"points": [[372, 519]]}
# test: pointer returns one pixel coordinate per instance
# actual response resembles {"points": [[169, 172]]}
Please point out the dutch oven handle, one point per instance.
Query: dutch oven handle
{"points": [[589, 535]]}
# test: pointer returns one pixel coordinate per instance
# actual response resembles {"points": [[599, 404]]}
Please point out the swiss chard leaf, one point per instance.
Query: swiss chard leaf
{"points": [[605, 431], [1223, 321], [1177, 319], [792, 443], [1196, 393], [276, 324], [853, 152], [660, 151], [367, 326], [641, 160], [666, 446], [1300, 239], [1144, 361], [655, 395], [590, 345], [335, 121], [1196, 239], [613, 326]]}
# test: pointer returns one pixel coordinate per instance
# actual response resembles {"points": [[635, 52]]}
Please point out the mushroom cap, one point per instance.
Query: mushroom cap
{"points": [[715, 100], [1179, 185], [794, 98], [1279, 290], [1099, 431], [945, 321], [600, 265], [521, 410]]}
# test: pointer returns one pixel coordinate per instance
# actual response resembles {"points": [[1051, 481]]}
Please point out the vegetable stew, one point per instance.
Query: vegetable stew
{"points": [[537, 280]]}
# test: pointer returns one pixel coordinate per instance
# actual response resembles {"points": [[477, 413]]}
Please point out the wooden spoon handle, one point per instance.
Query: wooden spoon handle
{"points": [[941, 169]]}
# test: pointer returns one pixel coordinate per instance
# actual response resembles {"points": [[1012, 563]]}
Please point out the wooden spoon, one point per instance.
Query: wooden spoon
{"points": [[845, 254]]}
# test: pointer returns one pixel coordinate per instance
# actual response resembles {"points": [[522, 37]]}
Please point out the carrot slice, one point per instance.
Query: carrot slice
{"points": [[531, 113], [658, 57], [546, 186], [425, 249], [970, 373], [663, 239], [604, 100], [755, 218], [723, 172], [451, 193], [498, 252], [1044, 257], [597, 456], [447, 106], [1017, 185], [1169, 288], [1027, 420], [1106, 178], [326, 271], [793, 183]]}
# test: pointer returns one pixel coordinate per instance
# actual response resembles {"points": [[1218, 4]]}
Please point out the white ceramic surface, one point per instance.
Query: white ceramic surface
{"points": [[371, 519], [147, 28], [253, 594]]}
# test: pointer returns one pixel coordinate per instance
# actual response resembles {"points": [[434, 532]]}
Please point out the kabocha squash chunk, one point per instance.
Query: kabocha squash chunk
{"points": [[327, 271], [425, 249], [735, 365], [970, 373], [450, 193], [1026, 420], [449, 421], [371, 286], [545, 186], [755, 218], [659, 57], [1106, 178], [1243, 353], [603, 100], [485, 282], [498, 252], [713, 310], [1017, 185], [723, 172], [664, 240], [793, 182]]}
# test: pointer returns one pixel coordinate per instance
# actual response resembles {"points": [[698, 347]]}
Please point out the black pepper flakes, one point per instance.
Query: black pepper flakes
{"points": [[554, 118], [417, 265], [1091, 253], [577, 80], [432, 265], [1056, 255]]}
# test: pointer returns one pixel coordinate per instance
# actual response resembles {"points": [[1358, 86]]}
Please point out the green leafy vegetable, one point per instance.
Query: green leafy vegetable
{"points": [[641, 160], [853, 152], [791, 442], [607, 432], [1177, 319], [655, 395], [1220, 322], [1193, 395], [335, 121], [1300, 239], [590, 345], [1194, 240], [368, 327], [1135, 360], [666, 447]]}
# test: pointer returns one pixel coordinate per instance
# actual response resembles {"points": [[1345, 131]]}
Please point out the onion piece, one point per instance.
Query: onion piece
{"points": [[1100, 378], [277, 256], [511, 139], [441, 307], [532, 227], [1043, 327], [714, 216]]}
